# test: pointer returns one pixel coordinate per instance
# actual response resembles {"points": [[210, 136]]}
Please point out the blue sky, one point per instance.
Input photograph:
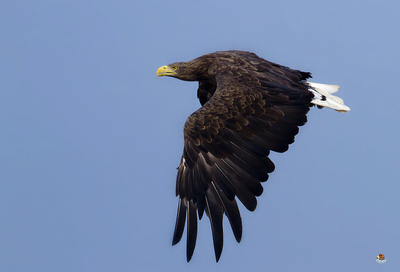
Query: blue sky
{"points": [[90, 138]]}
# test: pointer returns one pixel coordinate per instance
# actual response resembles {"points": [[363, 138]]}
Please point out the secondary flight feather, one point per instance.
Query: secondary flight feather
{"points": [[250, 106]]}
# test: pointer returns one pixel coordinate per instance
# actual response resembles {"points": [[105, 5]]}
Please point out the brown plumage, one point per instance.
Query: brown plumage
{"points": [[250, 106]]}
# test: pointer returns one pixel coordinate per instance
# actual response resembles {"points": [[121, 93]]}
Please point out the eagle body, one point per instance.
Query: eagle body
{"points": [[250, 106]]}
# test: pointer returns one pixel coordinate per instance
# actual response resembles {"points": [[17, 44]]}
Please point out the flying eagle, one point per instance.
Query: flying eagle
{"points": [[250, 106]]}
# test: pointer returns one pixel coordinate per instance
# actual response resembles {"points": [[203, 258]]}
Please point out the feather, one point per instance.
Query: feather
{"points": [[191, 229], [215, 212], [323, 96], [180, 222], [231, 210]]}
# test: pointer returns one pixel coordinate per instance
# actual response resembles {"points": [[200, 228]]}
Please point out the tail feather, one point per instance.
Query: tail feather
{"points": [[323, 96]]}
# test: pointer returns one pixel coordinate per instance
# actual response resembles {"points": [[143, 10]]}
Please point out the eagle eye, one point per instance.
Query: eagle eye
{"points": [[175, 68]]}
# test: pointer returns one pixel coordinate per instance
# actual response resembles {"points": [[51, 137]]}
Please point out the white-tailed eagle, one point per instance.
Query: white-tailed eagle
{"points": [[250, 106]]}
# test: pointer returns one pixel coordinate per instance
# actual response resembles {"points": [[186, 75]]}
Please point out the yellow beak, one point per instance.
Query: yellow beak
{"points": [[165, 71]]}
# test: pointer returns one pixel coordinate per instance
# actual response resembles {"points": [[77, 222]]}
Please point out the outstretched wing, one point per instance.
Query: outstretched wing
{"points": [[257, 107]]}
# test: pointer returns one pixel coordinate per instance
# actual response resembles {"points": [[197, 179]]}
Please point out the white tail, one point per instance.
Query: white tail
{"points": [[323, 96]]}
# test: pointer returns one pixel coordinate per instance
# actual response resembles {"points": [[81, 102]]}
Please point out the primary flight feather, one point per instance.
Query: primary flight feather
{"points": [[250, 106]]}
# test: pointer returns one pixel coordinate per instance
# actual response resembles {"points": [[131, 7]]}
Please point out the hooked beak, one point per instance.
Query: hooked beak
{"points": [[165, 71]]}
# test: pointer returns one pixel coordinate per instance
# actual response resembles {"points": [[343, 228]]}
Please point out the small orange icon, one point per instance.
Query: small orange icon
{"points": [[380, 258]]}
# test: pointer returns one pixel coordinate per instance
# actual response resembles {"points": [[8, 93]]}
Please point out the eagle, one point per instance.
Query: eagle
{"points": [[249, 107]]}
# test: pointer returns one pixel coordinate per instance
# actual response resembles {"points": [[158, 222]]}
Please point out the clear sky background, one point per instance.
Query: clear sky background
{"points": [[90, 138]]}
